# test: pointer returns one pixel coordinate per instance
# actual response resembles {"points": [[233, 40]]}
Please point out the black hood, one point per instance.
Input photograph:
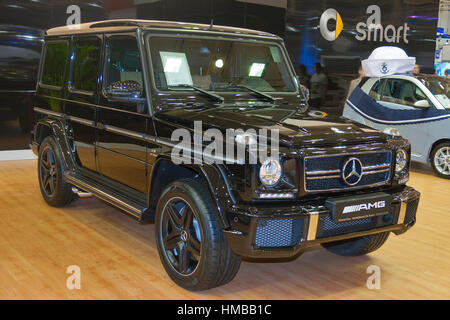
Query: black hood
{"points": [[294, 129]]}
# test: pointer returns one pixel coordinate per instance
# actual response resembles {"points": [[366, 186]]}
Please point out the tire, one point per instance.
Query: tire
{"points": [[192, 230], [54, 189], [440, 160], [358, 246]]}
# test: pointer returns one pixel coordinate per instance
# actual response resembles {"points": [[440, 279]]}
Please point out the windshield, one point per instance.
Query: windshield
{"points": [[440, 88], [219, 65]]}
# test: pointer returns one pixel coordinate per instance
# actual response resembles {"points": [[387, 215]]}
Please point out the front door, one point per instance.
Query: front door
{"points": [[123, 115]]}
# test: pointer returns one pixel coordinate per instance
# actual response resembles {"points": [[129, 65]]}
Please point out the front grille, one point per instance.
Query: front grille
{"points": [[411, 209], [324, 173], [272, 233], [327, 227]]}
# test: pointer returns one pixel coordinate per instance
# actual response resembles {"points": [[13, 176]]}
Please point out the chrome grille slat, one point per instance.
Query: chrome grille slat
{"points": [[322, 172], [385, 165], [375, 171], [323, 177]]}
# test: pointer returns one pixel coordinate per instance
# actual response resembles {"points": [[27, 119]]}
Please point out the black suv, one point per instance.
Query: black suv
{"points": [[110, 97]]}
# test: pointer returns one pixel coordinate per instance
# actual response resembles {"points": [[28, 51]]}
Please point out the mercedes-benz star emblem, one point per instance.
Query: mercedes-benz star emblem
{"points": [[184, 235], [352, 171]]}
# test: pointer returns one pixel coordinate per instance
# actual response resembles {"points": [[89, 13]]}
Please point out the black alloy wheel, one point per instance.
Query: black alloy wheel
{"points": [[181, 236], [191, 242], [54, 189], [48, 171]]}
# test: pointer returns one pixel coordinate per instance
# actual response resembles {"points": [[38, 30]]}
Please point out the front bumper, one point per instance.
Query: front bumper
{"points": [[274, 232]]}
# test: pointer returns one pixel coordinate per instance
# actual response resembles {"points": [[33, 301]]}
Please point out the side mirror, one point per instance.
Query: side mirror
{"points": [[125, 89], [422, 104]]}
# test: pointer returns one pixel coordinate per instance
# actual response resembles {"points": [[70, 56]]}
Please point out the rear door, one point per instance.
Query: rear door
{"points": [[82, 97], [51, 84], [124, 119]]}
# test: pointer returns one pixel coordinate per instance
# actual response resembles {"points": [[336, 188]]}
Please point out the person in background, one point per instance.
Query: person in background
{"points": [[446, 73], [319, 84], [416, 70], [354, 83], [303, 75]]}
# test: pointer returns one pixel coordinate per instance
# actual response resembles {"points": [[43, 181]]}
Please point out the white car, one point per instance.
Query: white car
{"points": [[417, 106]]}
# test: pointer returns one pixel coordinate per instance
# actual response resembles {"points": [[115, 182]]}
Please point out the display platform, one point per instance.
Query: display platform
{"points": [[118, 258]]}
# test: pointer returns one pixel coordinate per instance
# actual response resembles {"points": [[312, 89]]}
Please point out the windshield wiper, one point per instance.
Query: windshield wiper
{"points": [[259, 93], [205, 92]]}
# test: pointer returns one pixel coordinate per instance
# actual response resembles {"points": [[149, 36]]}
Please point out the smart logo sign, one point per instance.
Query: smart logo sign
{"points": [[370, 30], [331, 14]]}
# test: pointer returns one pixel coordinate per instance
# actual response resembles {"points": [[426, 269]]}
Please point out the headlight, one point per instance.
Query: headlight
{"points": [[401, 160], [270, 172]]}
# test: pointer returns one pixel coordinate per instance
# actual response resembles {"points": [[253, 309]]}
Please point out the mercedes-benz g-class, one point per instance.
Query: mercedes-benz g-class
{"points": [[113, 99]]}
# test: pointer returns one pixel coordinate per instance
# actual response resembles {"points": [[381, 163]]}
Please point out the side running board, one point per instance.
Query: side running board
{"points": [[105, 193]]}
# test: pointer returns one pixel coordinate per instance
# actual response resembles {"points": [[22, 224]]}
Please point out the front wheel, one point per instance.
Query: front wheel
{"points": [[357, 246], [190, 241], [440, 160]]}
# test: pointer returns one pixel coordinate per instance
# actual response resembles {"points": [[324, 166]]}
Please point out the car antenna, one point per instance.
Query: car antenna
{"points": [[211, 25]]}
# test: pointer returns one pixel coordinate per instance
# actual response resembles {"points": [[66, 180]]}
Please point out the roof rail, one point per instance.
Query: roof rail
{"points": [[128, 24], [115, 23]]}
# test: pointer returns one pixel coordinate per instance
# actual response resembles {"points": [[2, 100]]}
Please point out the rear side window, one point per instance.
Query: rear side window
{"points": [[56, 54], [86, 64]]}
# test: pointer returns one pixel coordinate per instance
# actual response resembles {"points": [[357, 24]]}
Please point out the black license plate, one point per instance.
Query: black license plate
{"points": [[359, 207]]}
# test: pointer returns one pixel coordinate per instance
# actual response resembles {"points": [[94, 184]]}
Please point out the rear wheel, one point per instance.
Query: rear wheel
{"points": [[440, 160], [54, 189], [190, 241], [357, 246]]}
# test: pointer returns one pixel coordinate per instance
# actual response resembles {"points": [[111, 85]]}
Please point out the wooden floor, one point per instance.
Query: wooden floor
{"points": [[118, 258]]}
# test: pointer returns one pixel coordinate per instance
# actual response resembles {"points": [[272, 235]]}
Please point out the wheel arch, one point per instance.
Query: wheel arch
{"points": [[42, 130], [51, 127], [164, 171]]}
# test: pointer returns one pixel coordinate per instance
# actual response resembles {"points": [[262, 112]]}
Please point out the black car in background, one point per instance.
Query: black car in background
{"points": [[22, 28], [111, 96], [20, 51]]}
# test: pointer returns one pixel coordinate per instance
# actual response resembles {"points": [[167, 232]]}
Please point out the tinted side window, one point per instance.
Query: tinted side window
{"points": [[402, 92], [86, 64], [123, 67], [55, 59]]}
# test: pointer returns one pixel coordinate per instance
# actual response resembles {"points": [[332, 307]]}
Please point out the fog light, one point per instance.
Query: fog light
{"points": [[276, 196], [388, 218]]}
